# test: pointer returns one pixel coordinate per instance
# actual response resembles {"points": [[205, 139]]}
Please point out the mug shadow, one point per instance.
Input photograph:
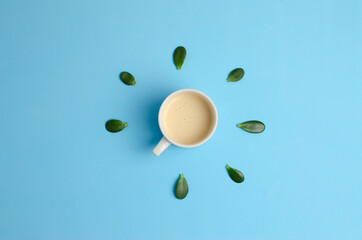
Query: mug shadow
{"points": [[150, 115], [152, 122], [149, 108]]}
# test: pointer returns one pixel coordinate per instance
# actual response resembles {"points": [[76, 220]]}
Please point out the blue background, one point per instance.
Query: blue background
{"points": [[63, 176]]}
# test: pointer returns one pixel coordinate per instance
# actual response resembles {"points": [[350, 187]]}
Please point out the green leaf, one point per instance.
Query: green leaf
{"points": [[235, 174], [179, 56], [127, 78], [235, 75], [252, 126], [114, 125], [181, 188]]}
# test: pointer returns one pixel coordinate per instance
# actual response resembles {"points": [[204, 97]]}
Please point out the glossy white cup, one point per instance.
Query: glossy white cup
{"points": [[166, 141]]}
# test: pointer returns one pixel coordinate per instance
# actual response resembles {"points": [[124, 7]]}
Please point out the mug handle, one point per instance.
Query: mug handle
{"points": [[161, 146]]}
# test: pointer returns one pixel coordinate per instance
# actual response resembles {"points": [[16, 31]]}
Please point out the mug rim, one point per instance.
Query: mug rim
{"points": [[172, 95]]}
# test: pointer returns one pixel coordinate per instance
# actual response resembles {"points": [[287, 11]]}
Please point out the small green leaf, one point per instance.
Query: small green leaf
{"points": [[114, 125], [179, 56], [235, 174], [127, 78], [235, 75], [181, 188], [252, 126]]}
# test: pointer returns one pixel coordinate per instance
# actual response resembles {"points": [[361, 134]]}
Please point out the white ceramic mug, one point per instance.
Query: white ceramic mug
{"points": [[166, 141]]}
